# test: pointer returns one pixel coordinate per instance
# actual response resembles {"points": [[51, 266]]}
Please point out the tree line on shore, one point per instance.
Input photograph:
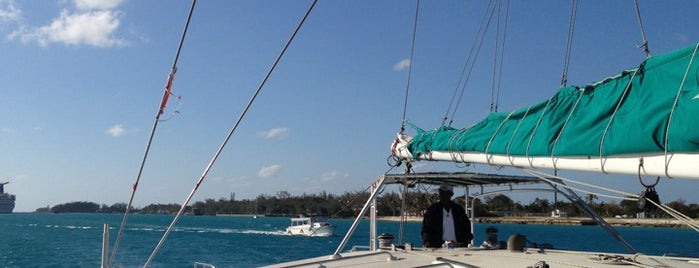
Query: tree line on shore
{"points": [[349, 204]]}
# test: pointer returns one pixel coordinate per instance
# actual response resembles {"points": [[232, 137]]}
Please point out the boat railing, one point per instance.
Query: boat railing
{"points": [[585, 208], [374, 191], [370, 205]]}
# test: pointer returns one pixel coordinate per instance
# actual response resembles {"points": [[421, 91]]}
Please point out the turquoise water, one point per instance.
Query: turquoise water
{"points": [[75, 240]]}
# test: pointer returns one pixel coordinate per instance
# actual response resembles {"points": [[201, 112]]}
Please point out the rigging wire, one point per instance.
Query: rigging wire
{"points": [[499, 58], [495, 63], [466, 63], [161, 109], [230, 133], [643, 45], [469, 64], [571, 29], [410, 65], [624, 195]]}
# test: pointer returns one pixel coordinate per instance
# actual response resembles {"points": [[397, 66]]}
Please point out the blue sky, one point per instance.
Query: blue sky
{"points": [[82, 81]]}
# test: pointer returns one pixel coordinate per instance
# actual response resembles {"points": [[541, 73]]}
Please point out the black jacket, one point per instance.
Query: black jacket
{"points": [[432, 226]]}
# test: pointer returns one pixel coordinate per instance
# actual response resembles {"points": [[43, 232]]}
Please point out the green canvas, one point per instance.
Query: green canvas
{"points": [[586, 122]]}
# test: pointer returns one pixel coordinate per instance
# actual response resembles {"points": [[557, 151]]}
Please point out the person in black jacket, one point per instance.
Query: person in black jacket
{"points": [[446, 221]]}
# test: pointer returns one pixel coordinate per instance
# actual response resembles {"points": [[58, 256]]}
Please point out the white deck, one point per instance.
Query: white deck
{"points": [[475, 257]]}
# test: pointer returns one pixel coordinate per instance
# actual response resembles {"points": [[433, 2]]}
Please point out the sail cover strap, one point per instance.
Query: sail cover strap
{"points": [[640, 101]]}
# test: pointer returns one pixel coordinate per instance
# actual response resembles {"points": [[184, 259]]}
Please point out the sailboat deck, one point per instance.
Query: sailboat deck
{"points": [[476, 257], [410, 256]]}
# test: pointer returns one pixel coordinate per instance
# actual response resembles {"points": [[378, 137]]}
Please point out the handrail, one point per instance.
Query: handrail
{"points": [[349, 233]]}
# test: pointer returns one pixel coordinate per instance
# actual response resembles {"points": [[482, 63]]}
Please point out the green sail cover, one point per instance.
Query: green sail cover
{"points": [[585, 121]]}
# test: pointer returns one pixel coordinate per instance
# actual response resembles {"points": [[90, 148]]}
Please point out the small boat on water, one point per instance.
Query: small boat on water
{"points": [[310, 226]]}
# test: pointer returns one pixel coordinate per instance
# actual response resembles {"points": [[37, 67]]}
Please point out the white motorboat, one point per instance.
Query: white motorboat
{"points": [[310, 226]]}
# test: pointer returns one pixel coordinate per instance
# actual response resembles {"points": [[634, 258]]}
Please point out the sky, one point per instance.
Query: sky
{"points": [[81, 82]]}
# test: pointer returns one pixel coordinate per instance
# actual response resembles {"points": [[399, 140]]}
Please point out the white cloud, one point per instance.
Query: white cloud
{"points": [[93, 28], [97, 4], [116, 131], [269, 171], [92, 23], [274, 133], [401, 65], [332, 176], [9, 11]]}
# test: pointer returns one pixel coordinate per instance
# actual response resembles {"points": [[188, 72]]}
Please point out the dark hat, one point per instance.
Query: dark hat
{"points": [[446, 187]]}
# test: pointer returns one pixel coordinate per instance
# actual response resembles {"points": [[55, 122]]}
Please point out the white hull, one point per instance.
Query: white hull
{"points": [[672, 165], [306, 230], [310, 226]]}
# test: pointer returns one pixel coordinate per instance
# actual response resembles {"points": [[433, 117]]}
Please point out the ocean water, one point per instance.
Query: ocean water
{"points": [[75, 240]]}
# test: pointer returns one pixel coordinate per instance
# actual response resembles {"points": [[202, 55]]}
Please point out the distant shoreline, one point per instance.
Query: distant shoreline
{"points": [[630, 222]]}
